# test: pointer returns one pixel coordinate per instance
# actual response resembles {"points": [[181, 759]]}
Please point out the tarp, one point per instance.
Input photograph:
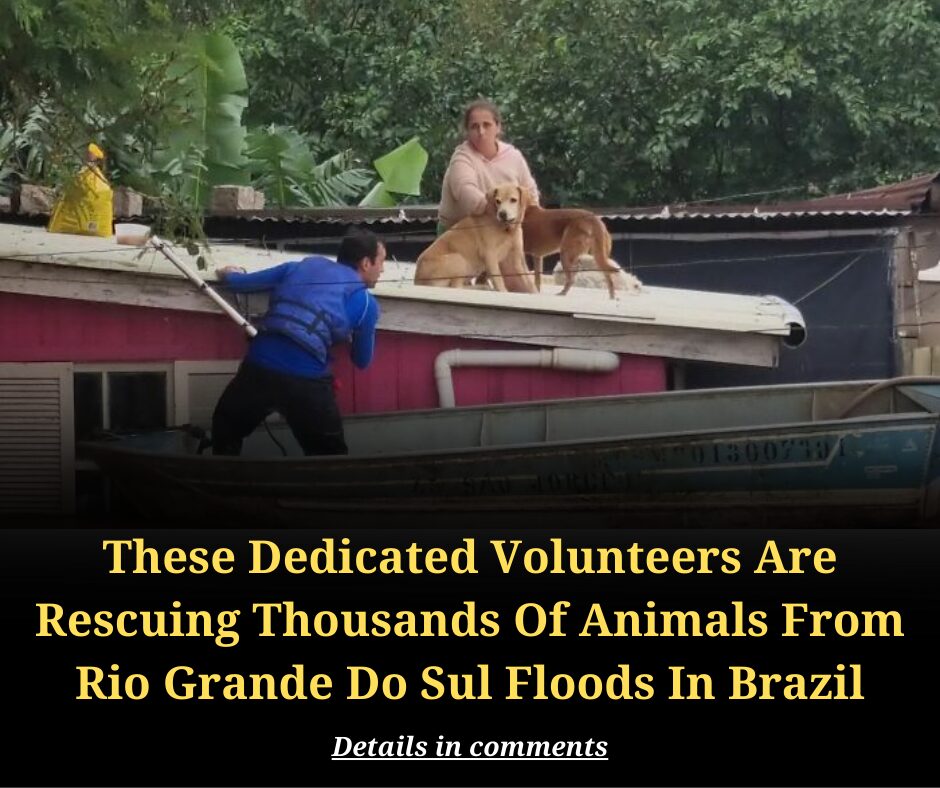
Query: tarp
{"points": [[842, 285]]}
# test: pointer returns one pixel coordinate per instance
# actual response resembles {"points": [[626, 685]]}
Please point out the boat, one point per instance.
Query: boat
{"points": [[839, 454]]}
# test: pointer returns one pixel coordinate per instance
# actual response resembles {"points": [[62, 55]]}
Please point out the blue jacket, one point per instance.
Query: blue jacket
{"points": [[309, 305], [314, 304]]}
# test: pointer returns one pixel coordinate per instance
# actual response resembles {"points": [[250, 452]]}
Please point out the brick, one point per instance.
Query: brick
{"points": [[35, 199], [127, 203], [226, 199]]}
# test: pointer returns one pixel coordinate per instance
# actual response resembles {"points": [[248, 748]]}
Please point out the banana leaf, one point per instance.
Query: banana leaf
{"points": [[278, 159], [378, 197], [402, 168], [208, 142]]}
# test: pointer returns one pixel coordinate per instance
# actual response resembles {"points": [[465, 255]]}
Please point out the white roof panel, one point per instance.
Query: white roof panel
{"points": [[690, 309]]}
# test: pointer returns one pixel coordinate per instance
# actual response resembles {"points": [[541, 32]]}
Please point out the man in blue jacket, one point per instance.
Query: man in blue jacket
{"points": [[314, 304]]}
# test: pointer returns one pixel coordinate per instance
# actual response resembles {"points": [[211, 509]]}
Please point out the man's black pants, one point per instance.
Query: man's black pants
{"points": [[307, 404]]}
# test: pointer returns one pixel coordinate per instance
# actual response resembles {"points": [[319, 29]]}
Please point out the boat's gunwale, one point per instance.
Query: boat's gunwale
{"points": [[114, 447]]}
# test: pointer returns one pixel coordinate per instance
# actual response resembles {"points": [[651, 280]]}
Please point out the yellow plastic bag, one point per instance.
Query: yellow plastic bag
{"points": [[85, 207]]}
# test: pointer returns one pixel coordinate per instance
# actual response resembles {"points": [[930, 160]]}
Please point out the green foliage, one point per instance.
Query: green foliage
{"points": [[335, 181], [683, 99], [367, 76], [278, 157], [90, 70], [188, 136], [207, 95], [22, 152], [612, 101], [284, 166], [401, 169], [617, 101]]}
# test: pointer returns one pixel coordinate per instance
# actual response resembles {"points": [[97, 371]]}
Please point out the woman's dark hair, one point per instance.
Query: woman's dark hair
{"points": [[482, 103], [356, 244]]}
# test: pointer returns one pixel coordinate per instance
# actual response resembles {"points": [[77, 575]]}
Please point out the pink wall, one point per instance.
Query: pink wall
{"points": [[401, 376], [33, 328]]}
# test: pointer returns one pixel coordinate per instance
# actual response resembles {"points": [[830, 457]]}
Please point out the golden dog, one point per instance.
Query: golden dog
{"points": [[572, 232], [490, 243]]}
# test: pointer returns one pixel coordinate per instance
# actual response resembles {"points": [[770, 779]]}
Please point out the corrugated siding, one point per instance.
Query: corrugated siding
{"points": [[401, 377], [36, 442], [36, 328]]}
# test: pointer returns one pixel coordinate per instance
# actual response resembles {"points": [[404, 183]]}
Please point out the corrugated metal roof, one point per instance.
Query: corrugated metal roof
{"points": [[678, 211], [919, 195], [351, 215], [758, 212], [916, 196]]}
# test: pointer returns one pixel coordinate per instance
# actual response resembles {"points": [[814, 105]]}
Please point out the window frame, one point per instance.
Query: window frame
{"points": [[104, 368]]}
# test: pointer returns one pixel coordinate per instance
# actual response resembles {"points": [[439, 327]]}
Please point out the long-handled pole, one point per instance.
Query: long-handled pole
{"points": [[164, 249]]}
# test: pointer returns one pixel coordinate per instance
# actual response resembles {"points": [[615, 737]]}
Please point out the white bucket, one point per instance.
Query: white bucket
{"points": [[131, 234]]}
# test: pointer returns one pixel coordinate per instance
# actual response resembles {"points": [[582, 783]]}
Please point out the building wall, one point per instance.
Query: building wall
{"points": [[917, 253], [197, 353], [34, 329], [402, 377]]}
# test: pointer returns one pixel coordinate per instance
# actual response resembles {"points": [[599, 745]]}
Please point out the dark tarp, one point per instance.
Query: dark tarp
{"points": [[842, 285]]}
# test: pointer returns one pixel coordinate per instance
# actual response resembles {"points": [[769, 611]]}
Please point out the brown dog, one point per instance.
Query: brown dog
{"points": [[572, 232], [489, 243]]}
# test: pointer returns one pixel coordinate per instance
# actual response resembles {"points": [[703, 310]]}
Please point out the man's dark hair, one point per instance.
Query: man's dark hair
{"points": [[356, 244]]}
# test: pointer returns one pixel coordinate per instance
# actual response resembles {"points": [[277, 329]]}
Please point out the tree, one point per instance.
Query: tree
{"points": [[613, 101], [686, 99], [618, 101]]}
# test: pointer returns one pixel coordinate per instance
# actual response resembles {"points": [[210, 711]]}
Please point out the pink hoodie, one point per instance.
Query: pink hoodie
{"points": [[470, 176]]}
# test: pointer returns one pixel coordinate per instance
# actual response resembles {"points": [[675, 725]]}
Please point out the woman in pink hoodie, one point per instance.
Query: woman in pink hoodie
{"points": [[481, 162]]}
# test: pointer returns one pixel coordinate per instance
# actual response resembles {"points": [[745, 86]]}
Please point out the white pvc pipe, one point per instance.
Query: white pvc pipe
{"points": [[164, 249], [557, 358]]}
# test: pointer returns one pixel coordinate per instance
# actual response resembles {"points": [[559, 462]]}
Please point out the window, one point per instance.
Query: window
{"points": [[117, 398], [120, 400]]}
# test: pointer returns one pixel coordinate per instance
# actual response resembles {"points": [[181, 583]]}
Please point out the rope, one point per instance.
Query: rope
{"points": [[885, 384]]}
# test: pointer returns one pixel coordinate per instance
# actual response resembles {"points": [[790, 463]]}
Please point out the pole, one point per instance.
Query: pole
{"points": [[164, 249]]}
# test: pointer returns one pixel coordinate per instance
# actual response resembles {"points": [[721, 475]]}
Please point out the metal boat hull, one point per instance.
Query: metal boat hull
{"points": [[766, 455]]}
